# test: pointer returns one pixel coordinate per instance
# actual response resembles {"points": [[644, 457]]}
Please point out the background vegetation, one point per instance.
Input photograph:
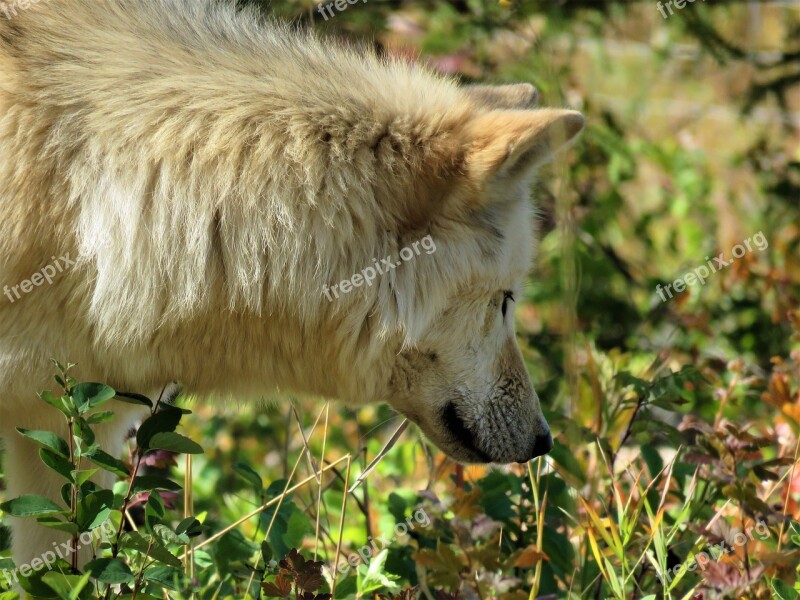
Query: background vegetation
{"points": [[677, 423]]}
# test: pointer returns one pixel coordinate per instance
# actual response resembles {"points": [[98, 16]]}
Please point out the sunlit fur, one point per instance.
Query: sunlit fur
{"points": [[211, 172]]}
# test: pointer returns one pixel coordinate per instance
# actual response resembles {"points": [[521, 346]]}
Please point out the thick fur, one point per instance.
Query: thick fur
{"points": [[210, 173]]}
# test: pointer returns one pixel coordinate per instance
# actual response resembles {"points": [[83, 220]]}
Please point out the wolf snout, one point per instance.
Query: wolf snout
{"points": [[520, 450]]}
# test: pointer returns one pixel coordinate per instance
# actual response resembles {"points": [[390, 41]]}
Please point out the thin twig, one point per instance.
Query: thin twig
{"points": [[319, 481], [341, 523], [266, 505], [389, 445]]}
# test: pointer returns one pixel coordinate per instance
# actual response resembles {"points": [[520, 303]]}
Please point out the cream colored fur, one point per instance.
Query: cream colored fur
{"points": [[211, 172]]}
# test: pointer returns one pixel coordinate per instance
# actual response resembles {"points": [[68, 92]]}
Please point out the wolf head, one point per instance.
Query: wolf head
{"points": [[461, 376]]}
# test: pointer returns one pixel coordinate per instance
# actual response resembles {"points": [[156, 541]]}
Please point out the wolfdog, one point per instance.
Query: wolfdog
{"points": [[207, 172]]}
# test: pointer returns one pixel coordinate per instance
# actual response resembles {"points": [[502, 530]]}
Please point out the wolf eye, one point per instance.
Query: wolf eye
{"points": [[506, 297]]}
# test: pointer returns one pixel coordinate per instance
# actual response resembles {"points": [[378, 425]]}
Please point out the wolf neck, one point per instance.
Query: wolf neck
{"points": [[212, 165]]}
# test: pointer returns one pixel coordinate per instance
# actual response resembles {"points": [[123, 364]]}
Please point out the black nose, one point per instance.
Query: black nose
{"points": [[542, 444]]}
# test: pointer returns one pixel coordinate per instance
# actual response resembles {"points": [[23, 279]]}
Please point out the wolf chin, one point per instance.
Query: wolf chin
{"points": [[209, 171]]}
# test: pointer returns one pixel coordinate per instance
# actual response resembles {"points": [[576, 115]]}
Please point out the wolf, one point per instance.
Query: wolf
{"points": [[206, 172]]}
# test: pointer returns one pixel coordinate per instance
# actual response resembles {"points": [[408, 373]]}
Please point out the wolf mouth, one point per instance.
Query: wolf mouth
{"points": [[455, 424]]}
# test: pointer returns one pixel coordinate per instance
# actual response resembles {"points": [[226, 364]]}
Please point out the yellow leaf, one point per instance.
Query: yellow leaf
{"points": [[466, 505], [529, 557]]}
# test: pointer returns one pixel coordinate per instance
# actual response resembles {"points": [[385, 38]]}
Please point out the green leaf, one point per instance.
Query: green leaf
{"points": [[47, 439], [66, 494], [109, 463], [134, 540], [163, 421], [100, 417], [495, 497], [146, 483], [88, 487], [375, 577], [57, 463], [782, 591], [397, 507], [297, 527], [247, 473], [566, 459], [280, 521], [109, 570], [266, 552], [167, 577], [653, 459], [35, 587], [347, 588], [58, 524], [154, 510], [203, 559], [68, 587], [81, 477], [90, 395], [6, 564], [31, 506], [190, 527], [233, 547], [131, 398], [174, 442], [166, 535], [62, 403], [94, 509]]}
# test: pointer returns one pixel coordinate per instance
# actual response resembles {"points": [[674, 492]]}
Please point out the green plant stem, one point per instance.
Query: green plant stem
{"points": [[139, 456], [139, 576], [124, 508], [126, 502], [73, 500]]}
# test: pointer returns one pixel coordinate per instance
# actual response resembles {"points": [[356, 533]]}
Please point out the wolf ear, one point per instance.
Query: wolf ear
{"points": [[515, 95], [505, 143]]}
